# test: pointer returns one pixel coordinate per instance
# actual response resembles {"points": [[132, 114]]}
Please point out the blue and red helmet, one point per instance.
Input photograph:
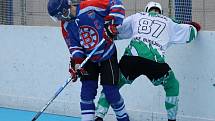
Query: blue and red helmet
{"points": [[60, 9]]}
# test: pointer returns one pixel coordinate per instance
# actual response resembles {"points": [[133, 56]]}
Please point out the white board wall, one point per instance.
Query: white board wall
{"points": [[34, 64]]}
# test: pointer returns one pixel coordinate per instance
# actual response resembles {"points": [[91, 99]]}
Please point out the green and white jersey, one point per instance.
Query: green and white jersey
{"points": [[151, 34]]}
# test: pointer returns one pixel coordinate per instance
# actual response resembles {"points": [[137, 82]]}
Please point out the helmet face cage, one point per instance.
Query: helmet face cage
{"points": [[65, 15], [151, 5], [59, 10]]}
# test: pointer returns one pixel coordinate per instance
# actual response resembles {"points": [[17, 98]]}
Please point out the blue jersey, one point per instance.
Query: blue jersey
{"points": [[87, 30]]}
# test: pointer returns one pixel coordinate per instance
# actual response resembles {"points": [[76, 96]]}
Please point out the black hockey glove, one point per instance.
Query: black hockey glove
{"points": [[110, 31]]}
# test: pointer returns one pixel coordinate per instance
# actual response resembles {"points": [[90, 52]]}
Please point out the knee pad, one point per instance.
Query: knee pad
{"points": [[89, 90], [171, 85], [111, 93]]}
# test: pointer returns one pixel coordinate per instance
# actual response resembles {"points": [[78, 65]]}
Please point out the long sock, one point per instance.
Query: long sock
{"points": [[87, 110], [117, 103], [88, 93], [171, 104], [102, 107], [120, 111], [171, 88]]}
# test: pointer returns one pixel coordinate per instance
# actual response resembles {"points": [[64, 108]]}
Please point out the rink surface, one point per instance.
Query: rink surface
{"points": [[8, 114]]}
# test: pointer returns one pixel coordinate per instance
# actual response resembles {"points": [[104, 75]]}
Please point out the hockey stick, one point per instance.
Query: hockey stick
{"points": [[67, 82]]}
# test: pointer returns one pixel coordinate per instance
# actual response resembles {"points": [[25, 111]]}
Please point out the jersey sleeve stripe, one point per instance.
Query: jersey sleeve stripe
{"points": [[90, 8], [118, 11], [117, 15], [99, 52], [75, 47], [76, 52], [117, 6], [64, 32]]}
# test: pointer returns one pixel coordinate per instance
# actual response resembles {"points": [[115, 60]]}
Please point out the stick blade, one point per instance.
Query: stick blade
{"points": [[34, 119]]}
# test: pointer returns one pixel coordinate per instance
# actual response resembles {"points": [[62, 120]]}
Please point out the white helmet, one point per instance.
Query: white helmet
{"points": [[151, 5]]}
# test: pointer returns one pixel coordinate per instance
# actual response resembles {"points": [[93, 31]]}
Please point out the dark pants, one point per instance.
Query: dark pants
{"points": [[108, 70], [134, 66]]}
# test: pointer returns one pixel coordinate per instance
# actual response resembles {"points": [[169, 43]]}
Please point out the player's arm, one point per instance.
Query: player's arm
{"points": [[76, 51], [76, 57], [65, 35], [194, 29], [183, 33], [117, 12], [72, 41], [71, 37], [115, 18], [125, 30]]}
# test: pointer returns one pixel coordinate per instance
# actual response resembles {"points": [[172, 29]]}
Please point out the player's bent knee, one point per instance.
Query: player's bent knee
{"points": [[89, 90], [171, 86], [111, 93]]}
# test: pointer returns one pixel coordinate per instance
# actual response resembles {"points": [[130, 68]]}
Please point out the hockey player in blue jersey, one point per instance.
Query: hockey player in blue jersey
{"points": [[87, 18], [150, 34]]}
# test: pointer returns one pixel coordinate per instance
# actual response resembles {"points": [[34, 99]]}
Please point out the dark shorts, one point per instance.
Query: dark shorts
{"points": [[108, 70], [134, 66]]}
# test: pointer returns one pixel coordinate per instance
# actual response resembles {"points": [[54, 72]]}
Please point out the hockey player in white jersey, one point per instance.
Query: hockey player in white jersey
{"points": [[151, 33]]}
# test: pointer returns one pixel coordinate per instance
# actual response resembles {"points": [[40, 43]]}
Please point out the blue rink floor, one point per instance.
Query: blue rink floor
{"points": [[7, 114]]}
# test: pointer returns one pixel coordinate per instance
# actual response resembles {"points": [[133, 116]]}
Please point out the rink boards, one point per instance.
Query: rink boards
{"points": [[34, 64]]}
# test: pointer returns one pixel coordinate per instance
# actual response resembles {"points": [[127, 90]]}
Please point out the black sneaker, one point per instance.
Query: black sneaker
{"points": [[98, 119]]}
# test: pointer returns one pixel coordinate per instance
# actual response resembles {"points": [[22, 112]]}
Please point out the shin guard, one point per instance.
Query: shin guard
{"points": [[171, 88], [88, 93], [87, 110], [102, 107], [117, 103]]}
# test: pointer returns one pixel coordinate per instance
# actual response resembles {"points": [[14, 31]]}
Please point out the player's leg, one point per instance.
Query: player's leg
{"points": [[109, 81], [131, 68], [161, 74], [171, 88], [89, 91], [103, 105], [129, 72]]}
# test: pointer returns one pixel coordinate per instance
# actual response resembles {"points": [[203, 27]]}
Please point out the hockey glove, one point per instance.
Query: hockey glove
{"points": [[75, 71], [196, 25], [110, 30], [72, 70], [73, 74], [80, 71]]}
